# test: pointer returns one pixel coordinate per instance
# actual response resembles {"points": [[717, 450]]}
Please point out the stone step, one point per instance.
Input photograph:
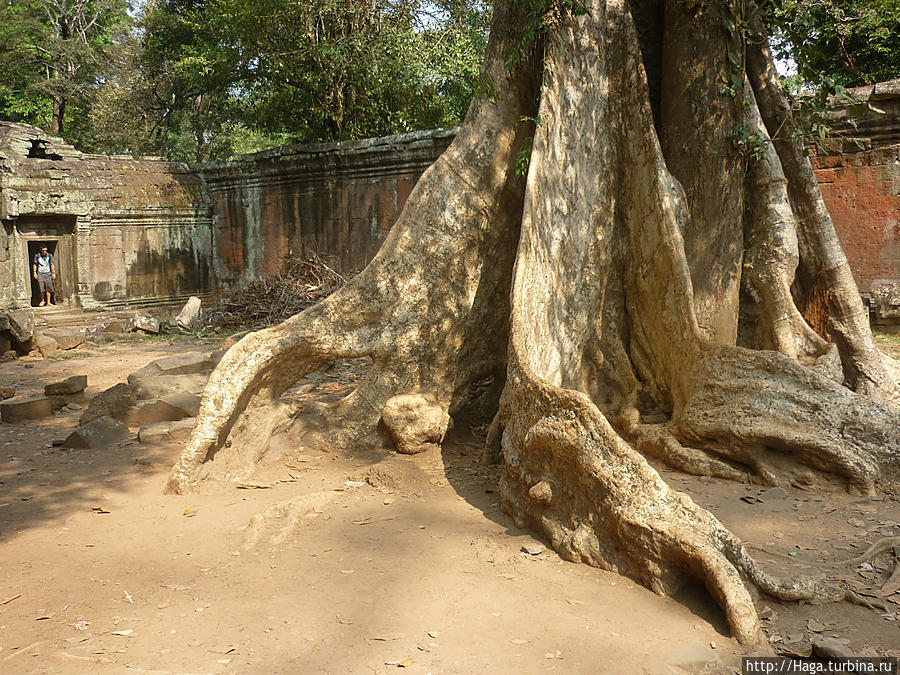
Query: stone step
{"points": [[24, 409]]}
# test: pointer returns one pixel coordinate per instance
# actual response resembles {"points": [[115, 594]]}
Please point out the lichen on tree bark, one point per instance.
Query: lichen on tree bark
{"points": [[587, 273]]}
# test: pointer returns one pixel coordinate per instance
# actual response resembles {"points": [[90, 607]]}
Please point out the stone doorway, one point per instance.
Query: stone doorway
{"points": [[58, 235]]}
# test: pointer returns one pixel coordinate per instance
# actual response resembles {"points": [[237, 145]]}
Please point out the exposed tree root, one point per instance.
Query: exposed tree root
{"points": [[429, 308], [771, 256], [657, 440], [282, 521], [848, 319], [566, 471], [746, 402], [876, 548]]}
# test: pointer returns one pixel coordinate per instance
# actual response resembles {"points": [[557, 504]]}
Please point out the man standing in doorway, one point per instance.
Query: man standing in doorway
{"points": [[44, 272]]}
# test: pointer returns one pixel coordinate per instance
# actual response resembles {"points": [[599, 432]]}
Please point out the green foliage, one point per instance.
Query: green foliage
{"points": [[53, 54], [853, 42], [235, 76]]}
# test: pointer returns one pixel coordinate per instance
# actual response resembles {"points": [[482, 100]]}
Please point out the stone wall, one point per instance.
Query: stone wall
{"points": [[860, 182], [337, 199], [136, 231]]}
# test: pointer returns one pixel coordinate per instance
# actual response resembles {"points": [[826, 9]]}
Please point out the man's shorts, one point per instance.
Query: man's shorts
{"points": [[45, 284]]}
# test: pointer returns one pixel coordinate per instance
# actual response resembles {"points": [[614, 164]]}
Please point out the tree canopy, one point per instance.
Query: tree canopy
{"points": [[847, 42], [205, 79]]}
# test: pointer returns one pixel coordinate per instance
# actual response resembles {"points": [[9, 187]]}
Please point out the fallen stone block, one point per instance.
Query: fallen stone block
{"points": [[189, 316], [114, 402], [66, 338], [21, 324], [4, 321], [148, 387], [169, 408], [45, 345], [188, 363], [103, 330], [7, 392], [11, 355], [71, 385], [24, 409], [98, 433], [415, 423], [182, 400], [167, 432], [146, 324]]}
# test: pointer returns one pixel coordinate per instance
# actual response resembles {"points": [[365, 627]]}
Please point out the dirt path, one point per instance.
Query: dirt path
{"points": [[392, 564]]}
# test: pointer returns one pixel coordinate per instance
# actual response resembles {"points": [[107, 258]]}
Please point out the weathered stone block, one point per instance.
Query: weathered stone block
{"points": [[5, 342], [114, 402], [188, 363], [21, 324], [71, 385], [10, 355], [98, 433], [66, 338], [45, 344], [104, 329], [146, 324], [4, 320], [169, 408], [24, 409], [414, 422], [148, 387], [189, 317], [167, 432], [7, 392]]}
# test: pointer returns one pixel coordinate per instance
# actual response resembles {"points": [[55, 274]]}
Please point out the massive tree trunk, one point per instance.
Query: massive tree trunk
{"points": [[629, 227]]}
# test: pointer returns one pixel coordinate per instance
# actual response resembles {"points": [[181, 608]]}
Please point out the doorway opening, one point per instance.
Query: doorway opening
{"points": [[34, 248]]}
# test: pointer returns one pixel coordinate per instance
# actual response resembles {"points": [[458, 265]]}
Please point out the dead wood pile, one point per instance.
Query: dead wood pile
{"points": [[269, 300]]}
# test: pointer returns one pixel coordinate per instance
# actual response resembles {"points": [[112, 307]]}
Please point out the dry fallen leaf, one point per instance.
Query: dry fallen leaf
{"points": [[99, 509], [385, 638], [190, 512], [405, 663]]}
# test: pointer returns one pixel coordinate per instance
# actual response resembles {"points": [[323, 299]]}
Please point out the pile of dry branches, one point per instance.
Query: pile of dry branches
{"points": [[269, 300]]}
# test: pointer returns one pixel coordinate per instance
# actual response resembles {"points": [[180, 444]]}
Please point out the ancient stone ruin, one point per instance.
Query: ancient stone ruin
{"points": [[137, 231]]}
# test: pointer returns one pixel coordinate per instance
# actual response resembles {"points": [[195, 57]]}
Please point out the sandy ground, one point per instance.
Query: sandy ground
{"points": [[393, 564]]}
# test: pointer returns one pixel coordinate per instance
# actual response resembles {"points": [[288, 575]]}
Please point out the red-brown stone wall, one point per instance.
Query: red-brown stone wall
{"points": [[339, 200], [862, 192]]}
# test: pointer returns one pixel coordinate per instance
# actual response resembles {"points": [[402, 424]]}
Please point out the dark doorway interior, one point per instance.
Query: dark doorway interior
{"points": [[34, 247]]}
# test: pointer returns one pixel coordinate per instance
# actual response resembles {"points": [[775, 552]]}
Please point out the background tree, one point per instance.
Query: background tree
{"points": [[54, 53], [221, 75], [845, 42]]}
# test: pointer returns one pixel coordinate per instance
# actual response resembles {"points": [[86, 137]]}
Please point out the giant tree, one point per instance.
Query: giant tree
{"points": [[649, 290]]}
